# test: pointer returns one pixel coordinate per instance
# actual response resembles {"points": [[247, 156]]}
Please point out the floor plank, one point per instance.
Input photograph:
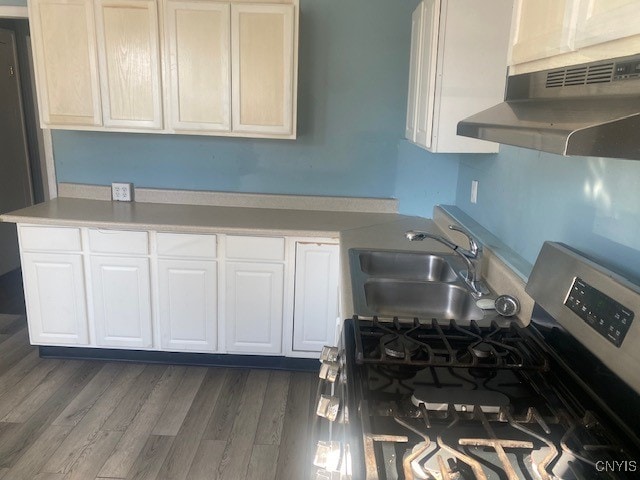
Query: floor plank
{"points": [[18, 371], [178, 406], [136, 396], [291, 464], [272, 416], [263, 463], [83, 434], [94, 455], [31, 462], [45, 389], [178, 461], [136, 435], [151, 458], [79, 406], [207, 459], [221, 422], [12, 448], [234, 463], [12, 398]]}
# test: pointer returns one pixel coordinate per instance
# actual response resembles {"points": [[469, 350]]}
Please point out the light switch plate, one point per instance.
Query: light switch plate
{"points": [[122, 192]]}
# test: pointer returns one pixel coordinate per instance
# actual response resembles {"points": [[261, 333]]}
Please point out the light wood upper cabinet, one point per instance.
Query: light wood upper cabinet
{"points": [[128, 49], [262, 42], [66, 64], [198, 38], [543, 28], [601, 21]]}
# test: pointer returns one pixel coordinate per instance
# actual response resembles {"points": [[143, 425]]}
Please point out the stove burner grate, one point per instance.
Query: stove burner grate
{"points": [[451, 345]]}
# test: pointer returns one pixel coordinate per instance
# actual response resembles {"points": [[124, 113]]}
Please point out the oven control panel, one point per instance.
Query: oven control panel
{"points": [[602, 313]]}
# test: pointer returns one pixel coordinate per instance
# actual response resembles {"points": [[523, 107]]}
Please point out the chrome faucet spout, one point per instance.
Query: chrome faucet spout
{"points": [[471, 257]]}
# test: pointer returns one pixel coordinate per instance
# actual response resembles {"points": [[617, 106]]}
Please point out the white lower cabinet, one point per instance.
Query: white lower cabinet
{"points": [[55, 298], [121, 301], [188, 305], [254, 307], [316, 296]]}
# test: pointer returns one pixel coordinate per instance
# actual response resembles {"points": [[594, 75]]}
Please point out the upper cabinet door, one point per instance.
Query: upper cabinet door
{"points": [[262, 43], [543, 28], [601, 21], [66, 63], [198, 36], [414, 72], [129, 63]]}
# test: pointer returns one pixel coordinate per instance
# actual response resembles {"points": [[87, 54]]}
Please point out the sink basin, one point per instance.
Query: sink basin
{"points": [[420, 299], [410, 265]]}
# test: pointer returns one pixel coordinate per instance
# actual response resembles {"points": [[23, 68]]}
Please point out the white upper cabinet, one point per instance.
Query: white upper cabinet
{"points": [[262, 42], [128, 49], [558, 33], [168, 66], [542, 28], [66, 63], [198, 37], [458, 67], [601, 21]]}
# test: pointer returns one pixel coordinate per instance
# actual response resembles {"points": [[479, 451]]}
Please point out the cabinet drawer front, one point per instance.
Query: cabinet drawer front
{"points": [[50, 239], [255, 248], [186, 245], [118, 241]]}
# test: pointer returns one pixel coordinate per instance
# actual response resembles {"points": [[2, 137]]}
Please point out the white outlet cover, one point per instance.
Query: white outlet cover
{"points": [[122, 192], [474, 191]]}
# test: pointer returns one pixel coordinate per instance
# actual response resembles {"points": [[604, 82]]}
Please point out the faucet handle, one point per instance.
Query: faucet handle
{"points": [[474, 248]]}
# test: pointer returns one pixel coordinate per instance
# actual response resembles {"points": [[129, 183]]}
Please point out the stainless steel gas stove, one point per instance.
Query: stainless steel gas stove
{"points": [[437, 399]]}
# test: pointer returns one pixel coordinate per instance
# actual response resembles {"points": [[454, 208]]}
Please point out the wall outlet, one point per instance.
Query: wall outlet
{"points": [[474, 191], [122, 192]]}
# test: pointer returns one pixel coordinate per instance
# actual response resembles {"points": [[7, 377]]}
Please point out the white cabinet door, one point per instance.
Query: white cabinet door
{"points": [[121, 301], [129, 63], [254, 307], [414, 72], [55, 298], [198, 46], [188, 305], [542, 28], [601, 21], [316, 296], [427, 72], [262, 43], [66, 64]]}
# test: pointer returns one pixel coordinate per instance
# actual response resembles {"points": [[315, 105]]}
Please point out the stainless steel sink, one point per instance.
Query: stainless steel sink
{"points": [[410, 265], [420, 299]]}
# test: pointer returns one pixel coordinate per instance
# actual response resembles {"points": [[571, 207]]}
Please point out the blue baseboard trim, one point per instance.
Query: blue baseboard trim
{"points": [[181, 358]]}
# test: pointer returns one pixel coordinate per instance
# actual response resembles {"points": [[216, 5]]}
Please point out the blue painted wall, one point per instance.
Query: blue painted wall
{"points": [[14, 3], [526, 197], [353, 73]]}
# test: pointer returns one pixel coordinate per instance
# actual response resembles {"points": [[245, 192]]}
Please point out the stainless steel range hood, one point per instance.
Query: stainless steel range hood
{"points": [[592, 109]]}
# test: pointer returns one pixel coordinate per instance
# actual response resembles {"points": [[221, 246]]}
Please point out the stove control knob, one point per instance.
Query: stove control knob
{"points": [[328, 407], [329, 354], [329, 371], [327, 457]]}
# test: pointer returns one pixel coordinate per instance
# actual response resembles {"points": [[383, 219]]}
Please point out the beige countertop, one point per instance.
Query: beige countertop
{"points": [[197, 218]]}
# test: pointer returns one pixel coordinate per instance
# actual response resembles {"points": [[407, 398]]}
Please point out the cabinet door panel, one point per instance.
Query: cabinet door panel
{"points": [[601, 21], [66, 62], [188, 305], [543, 28], [414, 72], [55, 297], [316, 296], [122, 301], [427, 76], [262, 65], [129, 63], [254, 307], [198, 36]]}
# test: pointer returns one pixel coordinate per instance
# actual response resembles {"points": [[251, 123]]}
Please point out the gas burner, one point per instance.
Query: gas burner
{"points": [[424, 463], [483, 350], [398, 346]]}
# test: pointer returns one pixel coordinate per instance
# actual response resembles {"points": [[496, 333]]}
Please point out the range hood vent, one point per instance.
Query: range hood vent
{"points": [[591, 109]]}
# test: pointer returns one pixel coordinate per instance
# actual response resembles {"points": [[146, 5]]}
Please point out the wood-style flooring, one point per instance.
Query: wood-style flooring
{"points": [[72, 419]]}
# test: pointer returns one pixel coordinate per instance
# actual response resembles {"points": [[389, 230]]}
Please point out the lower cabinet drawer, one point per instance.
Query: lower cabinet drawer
{"points": [[118, 241], [186, 245], [50, 239], [255, 248]]}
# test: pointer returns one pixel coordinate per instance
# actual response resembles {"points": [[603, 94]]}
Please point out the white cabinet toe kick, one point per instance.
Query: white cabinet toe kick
{"points": [[179, 293]]}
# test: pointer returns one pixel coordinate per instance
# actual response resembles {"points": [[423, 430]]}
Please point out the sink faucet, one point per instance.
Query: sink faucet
{"points": [[472, 257]]}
